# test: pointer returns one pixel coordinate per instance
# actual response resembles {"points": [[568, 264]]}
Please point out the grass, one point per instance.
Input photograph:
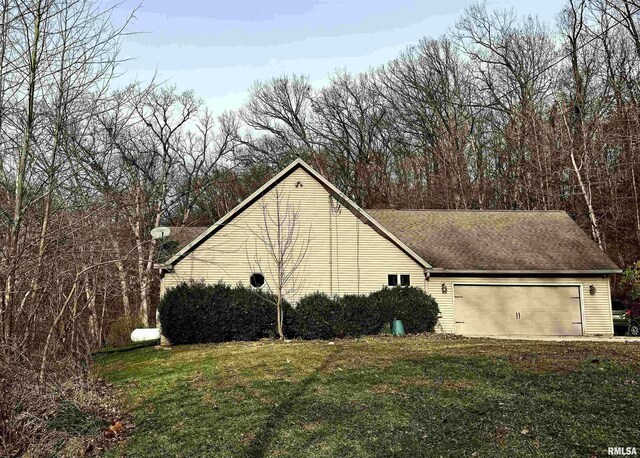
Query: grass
{"points": [[379, 396], [73, 421]]}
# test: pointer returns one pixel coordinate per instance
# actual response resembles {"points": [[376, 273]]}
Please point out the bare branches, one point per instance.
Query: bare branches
{"points": [[284, 247], [56, 62], [279, 108]]}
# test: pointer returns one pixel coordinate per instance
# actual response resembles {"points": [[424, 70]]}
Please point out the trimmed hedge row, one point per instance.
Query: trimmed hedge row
{"points": [[198, 313], [319, 316]]}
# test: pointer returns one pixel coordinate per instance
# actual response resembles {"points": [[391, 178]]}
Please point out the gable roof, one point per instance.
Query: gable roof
{"points": [[337, 194], [501, 241]]}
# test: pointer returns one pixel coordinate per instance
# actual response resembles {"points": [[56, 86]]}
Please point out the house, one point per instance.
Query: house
{"points": [[491, 272]]}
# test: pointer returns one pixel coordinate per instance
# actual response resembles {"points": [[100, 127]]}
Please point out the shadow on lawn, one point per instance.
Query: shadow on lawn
{"points": [[260, 445]]}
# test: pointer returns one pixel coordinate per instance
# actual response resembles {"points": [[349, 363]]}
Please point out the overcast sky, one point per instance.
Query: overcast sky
{"points": [[219, 48]]}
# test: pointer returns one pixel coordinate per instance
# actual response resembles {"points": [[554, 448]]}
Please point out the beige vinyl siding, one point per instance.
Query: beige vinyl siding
{"points": [[433, 286], [596, 308], [345, 256]]}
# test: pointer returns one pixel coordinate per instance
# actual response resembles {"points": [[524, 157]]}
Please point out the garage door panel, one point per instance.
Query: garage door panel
{"points": [[487, 328], [559, 328], [556, 323], [517, 310]]}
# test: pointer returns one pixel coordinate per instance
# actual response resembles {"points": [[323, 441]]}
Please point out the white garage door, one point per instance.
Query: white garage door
{"points": [[489, 310]]}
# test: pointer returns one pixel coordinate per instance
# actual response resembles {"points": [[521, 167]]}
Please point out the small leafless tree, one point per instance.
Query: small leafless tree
{"points": [[285, 246]]}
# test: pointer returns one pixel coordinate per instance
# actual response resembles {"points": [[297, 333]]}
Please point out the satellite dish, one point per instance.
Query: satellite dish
{"points": [[160, 232]]}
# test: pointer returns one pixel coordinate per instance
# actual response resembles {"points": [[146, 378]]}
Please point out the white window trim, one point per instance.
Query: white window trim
{"points": [[398, 281]]}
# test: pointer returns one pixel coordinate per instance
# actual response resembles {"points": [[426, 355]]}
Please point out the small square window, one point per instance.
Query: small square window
{"points": [[392, 280], [405, 280]]}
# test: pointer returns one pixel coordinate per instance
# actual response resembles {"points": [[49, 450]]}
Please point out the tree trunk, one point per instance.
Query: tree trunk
{"points": [[586, 194], [279, 311], [122, 277], [7, 312]]}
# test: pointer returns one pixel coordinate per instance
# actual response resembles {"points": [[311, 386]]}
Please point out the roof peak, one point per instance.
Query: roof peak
{"points": [[274, 181]]}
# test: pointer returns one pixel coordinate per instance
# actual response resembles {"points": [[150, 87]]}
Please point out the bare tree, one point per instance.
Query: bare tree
{"points": [[626, 13], [577, 129], [353, 126], [278, 114], [285, 248], [427, 91], [59, 58]]}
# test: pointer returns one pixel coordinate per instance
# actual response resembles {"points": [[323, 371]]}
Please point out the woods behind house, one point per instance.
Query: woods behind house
{"points": [[503, 112]]}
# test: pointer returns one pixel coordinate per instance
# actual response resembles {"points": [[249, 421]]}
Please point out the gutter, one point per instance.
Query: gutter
{"points": [[525, 272], [163, 267]]}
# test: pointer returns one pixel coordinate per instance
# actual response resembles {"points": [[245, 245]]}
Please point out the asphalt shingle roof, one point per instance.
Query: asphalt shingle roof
{"points": [[184, 235], [495, 240]]}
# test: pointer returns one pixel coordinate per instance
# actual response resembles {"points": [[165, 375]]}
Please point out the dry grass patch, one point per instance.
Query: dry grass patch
{"points": [[311, 426], [541, 356]]}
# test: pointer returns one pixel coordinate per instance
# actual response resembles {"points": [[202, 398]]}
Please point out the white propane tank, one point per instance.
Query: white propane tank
{"points": [[144, 334]]}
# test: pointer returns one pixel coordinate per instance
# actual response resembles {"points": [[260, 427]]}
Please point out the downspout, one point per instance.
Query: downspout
{"points": [[330, 247], [358, 252]]}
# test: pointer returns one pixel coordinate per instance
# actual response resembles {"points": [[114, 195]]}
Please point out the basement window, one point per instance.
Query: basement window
{"points": [[256, 280], [394, 280]]}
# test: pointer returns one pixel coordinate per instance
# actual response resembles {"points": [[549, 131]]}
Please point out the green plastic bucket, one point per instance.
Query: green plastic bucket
{"points": [[397, 328]]}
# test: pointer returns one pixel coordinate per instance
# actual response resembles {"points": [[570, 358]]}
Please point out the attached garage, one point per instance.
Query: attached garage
{"points": [[521, 273], [531, 310]]}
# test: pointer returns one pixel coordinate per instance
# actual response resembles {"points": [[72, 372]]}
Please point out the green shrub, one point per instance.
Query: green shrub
{"points": [[254, 316], [629, 286], [289, 317], [319, 316], [192, 313], [314, 317], [199, 313], [358, 316], [417, 309]]}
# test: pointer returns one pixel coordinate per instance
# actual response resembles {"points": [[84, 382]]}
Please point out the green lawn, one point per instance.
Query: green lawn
{"points": [[379, 396]]}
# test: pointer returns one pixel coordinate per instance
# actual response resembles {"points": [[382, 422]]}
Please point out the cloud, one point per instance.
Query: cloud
{"points": [[219, 49]]}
